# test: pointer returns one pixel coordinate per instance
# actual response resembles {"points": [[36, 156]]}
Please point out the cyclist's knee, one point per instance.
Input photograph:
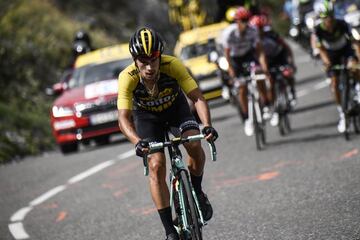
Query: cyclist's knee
{"points": [[157, 164]]}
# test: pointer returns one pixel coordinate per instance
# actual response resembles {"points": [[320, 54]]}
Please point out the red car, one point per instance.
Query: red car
{"points": [[86, 107]]}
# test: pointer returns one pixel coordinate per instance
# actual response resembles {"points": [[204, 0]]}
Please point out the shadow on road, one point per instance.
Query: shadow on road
{"points": [[312, 138], [315, 126], [313, 107], [301, 81]]}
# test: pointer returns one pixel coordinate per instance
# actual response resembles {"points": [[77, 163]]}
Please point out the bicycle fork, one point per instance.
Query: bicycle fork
{"points": [[176, 188]]}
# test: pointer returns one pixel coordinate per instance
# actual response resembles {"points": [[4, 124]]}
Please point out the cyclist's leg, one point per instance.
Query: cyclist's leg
{"points": [[263, 91], [237, 63], [180, 118], [185, 122], [149, 126], [336, 57]]}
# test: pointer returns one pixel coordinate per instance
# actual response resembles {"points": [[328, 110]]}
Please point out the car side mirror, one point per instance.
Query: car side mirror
{"points": [[56, 89]]}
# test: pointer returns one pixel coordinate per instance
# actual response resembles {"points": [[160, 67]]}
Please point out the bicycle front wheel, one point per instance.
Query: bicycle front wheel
{"points": [[259, 127], [190, 208]]}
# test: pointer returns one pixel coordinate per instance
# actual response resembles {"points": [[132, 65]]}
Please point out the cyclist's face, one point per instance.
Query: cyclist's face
{"points": [[242, 24], [148, 67], [328, 22]]}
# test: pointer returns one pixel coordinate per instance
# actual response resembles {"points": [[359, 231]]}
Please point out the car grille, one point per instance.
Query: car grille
{"points": [[103, 107], [87, 129]]}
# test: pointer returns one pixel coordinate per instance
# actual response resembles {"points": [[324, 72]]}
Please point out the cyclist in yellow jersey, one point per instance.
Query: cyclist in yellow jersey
{"points": [[152, 93]]}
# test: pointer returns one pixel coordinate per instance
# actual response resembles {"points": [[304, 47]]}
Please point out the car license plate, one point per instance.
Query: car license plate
{"points": [[103, 117]]}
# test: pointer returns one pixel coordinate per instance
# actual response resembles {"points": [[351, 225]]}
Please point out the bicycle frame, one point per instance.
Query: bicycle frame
{"points": [[176, 187], [347, 86]]}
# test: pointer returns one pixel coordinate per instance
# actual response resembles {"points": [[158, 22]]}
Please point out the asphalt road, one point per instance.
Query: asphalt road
{"points": [[302, 186]]}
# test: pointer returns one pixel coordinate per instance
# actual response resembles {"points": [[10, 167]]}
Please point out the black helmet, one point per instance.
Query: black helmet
{"points": [[146, 41], [80, 47], [81, 35]]}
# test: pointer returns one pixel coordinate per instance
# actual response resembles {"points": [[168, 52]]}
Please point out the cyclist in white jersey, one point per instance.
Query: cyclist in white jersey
{"points": [[242, 46]]}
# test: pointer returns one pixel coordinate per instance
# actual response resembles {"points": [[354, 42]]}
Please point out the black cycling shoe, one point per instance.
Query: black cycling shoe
{"points": [[172, 236], [205, 206]]}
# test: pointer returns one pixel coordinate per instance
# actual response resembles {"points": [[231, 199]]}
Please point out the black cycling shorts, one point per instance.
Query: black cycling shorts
{"points": [[239, 63], [151, 126], [336, 58]]}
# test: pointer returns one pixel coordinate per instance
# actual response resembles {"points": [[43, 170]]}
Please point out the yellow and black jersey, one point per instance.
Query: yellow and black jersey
{"points": [[174, 78]]}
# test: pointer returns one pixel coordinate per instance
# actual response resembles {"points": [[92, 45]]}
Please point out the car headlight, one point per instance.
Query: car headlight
{"points": [[83, 106], [62, 111], [223, 64], [356, 34]]}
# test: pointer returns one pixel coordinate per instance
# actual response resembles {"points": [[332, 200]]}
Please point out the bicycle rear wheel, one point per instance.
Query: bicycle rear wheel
{"points": [[345, 96], [190, 208]]}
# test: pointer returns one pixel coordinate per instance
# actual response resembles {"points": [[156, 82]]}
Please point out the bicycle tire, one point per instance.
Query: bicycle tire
{"points": [[190, 207], [345, 101], [257, 129], [356, 123]]}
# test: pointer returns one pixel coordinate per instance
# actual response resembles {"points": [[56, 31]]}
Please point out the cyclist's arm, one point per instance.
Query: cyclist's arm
{"points": [[228, 59], [324, 56], [262, 58], [126, 125], [126, 85], [201, 106]]}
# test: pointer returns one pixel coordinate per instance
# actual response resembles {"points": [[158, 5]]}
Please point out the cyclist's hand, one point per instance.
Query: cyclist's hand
{"points": [[210, 133], [141, 147]]}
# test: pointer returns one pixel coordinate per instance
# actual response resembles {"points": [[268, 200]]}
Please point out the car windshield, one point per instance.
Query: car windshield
{"points": [[194, 50], [97, 72]]}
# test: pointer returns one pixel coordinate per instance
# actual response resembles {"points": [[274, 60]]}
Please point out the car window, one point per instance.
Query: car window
{"points": [[97, 72], [194, 50]]}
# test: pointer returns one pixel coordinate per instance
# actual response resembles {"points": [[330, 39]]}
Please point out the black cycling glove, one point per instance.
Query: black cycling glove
{"points": [[210, 130], [139, 147]]}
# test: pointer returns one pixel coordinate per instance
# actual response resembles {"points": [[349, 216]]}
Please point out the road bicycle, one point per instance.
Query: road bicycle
{"points": [[350, 98], [183, 200], [251, 76], [282, 104]]}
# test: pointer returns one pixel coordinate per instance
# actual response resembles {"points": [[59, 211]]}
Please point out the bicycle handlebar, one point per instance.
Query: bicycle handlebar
{"points": [[175, 142]]}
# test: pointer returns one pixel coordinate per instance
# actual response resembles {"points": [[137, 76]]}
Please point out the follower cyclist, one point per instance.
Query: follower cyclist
{"points": [[151, 94], [241, 46], [278, 53], [333, 39]]}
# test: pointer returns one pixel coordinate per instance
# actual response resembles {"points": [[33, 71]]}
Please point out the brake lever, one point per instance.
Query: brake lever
{"points": [[213, 150], [145, 162]]}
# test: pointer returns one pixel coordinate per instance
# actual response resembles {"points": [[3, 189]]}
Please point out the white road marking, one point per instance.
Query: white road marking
{"points": [[91, 171], [126, 154], [20, 214], [17, 230], [16, 227], [318, 86], [47, 195]]}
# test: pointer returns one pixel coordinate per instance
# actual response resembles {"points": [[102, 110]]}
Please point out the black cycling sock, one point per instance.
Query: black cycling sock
{"points": [[166, 219], [196, 182]]}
